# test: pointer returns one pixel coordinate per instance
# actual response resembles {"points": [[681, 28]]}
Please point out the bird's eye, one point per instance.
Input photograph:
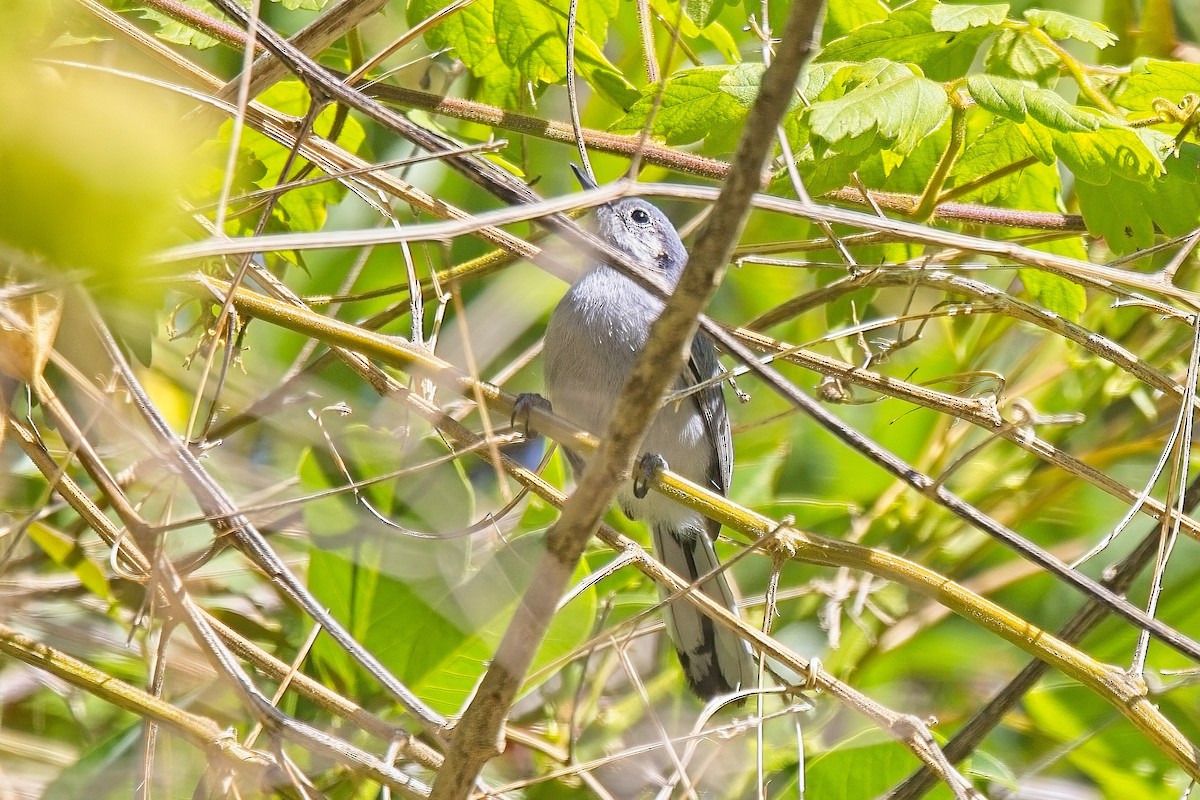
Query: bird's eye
{"points": [[640, 216]]}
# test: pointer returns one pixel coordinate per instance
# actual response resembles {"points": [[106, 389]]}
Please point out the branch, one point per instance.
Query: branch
{"points": [[807, 548], [1091, 614], [646, 150], [476, 737], [169, 587], [219, 744]]}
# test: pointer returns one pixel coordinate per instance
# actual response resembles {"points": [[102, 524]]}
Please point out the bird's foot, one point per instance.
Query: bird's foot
{"points": [[526, 402], [646, 470]]}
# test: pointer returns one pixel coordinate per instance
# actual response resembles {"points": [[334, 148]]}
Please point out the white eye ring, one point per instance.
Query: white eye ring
{"points": [[640, 216]]}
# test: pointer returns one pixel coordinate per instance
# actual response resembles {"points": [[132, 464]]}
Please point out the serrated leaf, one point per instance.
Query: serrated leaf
{"points": [[1125, 212], [527, 39], [1098, 156], [508, 43], [704, 12], [304, 208], [1055, 293], [1040, 142], [742, 82], [907, 35], [1067, 26], [890, 171], [696, 103], [1015, 100], [829, 171], [470, 32], [817, 77], [955, 17], [996, 148], [844, 17], [169, 30], [1021, 54], [1125, 226], [1150, 80], [901, 112], [876, 72]]}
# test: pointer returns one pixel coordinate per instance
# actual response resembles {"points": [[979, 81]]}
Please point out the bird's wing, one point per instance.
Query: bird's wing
{"points": [[702, 366]]}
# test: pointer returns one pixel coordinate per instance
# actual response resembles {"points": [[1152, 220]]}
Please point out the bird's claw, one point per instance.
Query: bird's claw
{"points": [[525, 403], [648, 468]]}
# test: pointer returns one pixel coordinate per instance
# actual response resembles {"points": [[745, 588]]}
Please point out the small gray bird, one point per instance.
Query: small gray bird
{"points": [[594, 338]]}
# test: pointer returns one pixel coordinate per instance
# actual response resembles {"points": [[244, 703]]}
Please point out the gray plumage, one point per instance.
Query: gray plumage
{"points": [[592, 342]]}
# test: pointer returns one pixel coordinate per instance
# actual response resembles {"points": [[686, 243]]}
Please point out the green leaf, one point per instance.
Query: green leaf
{"points": [[719, 37], [169, 30], [714, 33], [1040, 142], [1021, 54], [700, 103], [890, 171], [847, 16], [1034, 188], [1015, 100], [106, 768], [996, 148], [1055, 293], [1126, 226], [434, 628], [954, 17], [306, 208], [742, 83], [900, 112], [507, 43], [817, 78], [831, 170], [704, 12], [66, 552], [908, 35], [1125, 211], [1150, 80], [1097, 156], [593, 16], [1066, 26], [527, 37], [857, 767]]}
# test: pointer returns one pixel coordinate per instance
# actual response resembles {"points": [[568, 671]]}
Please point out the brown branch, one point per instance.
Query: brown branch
{"points": [[1118, 578], [807, 548], [476, 739], [648, 151], [165, 581], [313, 38]]}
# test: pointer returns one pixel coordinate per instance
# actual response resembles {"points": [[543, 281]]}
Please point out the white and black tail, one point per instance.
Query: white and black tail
{"points": [[715, 661]]}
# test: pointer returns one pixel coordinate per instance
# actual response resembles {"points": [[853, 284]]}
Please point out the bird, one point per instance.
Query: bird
{"points": [[592, 342]]}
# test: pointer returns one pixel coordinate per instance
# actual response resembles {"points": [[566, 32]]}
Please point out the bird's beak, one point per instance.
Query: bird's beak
{"points": [[584, 179]]}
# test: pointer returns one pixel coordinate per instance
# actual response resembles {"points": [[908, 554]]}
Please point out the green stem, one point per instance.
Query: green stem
{"points": [[984, 180], [958, 134], [1077, 72]]}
